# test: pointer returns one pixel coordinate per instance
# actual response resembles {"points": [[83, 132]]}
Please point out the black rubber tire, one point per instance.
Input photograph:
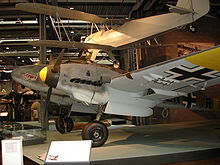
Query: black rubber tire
{"points": [[97, 132], [69, 124], [64, 125]]}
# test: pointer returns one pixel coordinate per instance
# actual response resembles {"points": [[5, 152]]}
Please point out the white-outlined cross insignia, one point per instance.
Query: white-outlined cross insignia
{"points": [[198, 73], [189, 101]]}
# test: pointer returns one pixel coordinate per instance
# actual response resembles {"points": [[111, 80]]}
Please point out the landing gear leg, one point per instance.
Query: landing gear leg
{"points": [[96, 130], [64, 124], [192, 28]]}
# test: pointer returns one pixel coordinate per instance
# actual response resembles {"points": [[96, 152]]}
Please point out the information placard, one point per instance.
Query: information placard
{"points": [[12, 152], [69, 152]]}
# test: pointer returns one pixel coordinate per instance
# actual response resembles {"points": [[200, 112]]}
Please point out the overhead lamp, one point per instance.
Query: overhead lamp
{"points": [[7, 48], [22, 61], [34, 47], [18, 40], [71, 8], [7, 71], [18, 57]]}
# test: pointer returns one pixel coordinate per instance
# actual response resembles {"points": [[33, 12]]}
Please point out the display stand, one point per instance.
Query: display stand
{"points": [[12, 152], [69, 152]]}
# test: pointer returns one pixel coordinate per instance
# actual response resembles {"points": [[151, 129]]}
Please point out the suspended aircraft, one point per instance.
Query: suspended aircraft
{"points": [[185, 12], [91, 87]]}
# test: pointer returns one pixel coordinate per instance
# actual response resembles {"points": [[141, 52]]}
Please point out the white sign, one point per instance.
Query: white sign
{"points": [[65, 152], [12, 152]]}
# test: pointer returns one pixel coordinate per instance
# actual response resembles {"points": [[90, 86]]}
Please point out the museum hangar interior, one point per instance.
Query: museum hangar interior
{"points": [[173, 133]]}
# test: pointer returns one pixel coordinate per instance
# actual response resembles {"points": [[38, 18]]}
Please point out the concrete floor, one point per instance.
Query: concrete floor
{"points": [[152, 143]]}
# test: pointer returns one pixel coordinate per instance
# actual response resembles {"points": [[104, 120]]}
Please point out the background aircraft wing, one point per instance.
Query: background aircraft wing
{"points": [[69, 44], [172, 78], [59, 12]]}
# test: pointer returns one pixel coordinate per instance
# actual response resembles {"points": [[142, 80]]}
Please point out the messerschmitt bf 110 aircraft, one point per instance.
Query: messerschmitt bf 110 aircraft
{"points": [[185, 12], [133, 93]]}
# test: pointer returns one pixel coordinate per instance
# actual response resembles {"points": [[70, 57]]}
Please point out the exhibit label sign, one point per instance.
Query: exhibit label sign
{"points": [[69, 152]]}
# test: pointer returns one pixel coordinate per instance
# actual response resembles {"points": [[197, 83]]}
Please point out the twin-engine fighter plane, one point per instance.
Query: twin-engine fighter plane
{"points": [[185, 12], [131, 94]]}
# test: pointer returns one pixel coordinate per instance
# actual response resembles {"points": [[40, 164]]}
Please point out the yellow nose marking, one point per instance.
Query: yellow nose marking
{"points": [[43, 74]]}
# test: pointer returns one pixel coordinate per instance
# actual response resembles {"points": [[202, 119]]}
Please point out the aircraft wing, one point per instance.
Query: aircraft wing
{"points": [[59, 12], [173, 78], [69, 44], [135, 93]]}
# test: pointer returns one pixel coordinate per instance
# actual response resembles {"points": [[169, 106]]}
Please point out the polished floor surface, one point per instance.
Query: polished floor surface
{"points": [[161, 143]]}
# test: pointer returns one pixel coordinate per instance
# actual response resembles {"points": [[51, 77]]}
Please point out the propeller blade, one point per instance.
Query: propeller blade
{"points": [[51, 60], [56, 67], [45, 111], [49, 93]]}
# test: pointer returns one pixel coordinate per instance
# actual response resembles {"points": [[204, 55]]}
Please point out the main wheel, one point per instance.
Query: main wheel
{"points": [[64, 125], [95, 131]]}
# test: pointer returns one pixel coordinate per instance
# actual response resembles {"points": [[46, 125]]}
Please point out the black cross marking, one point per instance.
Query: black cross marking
{"points": [[189, 101], [184, 73]]}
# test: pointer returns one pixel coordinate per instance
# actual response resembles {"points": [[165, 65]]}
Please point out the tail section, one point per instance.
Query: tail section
{"points": [[200, 7]]}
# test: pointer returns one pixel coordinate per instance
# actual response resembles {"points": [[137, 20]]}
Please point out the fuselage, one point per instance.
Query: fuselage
{"points": [[81, 82], [85, 82]]}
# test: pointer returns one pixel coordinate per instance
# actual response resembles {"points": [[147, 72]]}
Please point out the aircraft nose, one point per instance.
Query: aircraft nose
{"points": [[27, 75]]}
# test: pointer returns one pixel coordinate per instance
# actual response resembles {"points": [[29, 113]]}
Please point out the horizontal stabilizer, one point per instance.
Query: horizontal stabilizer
{"points": [[69, 44], [180, 10], [199, 7]]}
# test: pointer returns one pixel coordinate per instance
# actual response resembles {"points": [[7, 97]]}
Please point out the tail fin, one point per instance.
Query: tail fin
{"points": [[200, 7]]}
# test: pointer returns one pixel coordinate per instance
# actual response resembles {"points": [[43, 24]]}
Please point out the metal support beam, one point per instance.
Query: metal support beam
{"points": [[43, 58], [42, 32], [141, 7]]}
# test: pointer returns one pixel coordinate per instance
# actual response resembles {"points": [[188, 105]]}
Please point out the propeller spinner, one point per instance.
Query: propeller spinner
{"points": [[50, 74]]}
